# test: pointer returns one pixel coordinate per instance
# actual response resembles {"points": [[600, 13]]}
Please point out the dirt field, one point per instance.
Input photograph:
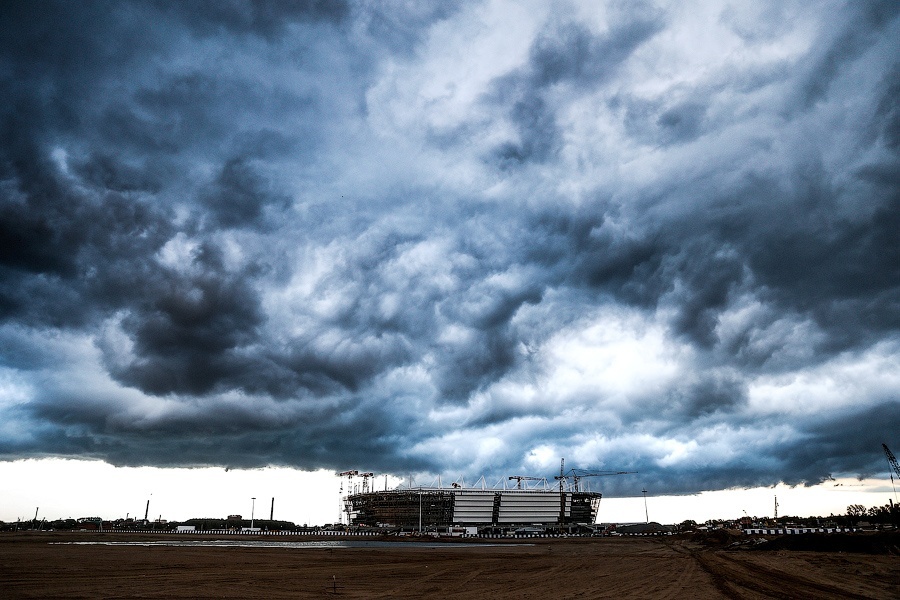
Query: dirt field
{"points": [[33, 567]]}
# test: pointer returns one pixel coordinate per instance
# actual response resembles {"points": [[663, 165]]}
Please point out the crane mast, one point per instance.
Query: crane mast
{"points": [[342, 501]]}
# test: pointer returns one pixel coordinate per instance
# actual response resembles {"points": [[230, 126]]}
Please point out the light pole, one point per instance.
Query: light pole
{"points": [[252, 512], [646, 514]]}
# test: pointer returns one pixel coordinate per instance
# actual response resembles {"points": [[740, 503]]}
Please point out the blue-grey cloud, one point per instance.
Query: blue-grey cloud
{"points": [[339, 235]]}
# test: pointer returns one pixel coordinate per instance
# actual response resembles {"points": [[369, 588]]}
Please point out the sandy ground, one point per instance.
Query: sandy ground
{"points": [[33, 567]]}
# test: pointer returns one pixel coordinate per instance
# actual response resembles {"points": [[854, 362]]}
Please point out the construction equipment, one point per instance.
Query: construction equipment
{"points": [[520, 478], [576, 475], [892, 460], [349, 475], [342, 508]]}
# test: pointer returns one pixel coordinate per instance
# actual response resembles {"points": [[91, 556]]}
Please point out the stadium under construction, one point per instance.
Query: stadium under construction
{"points": [[565, 506]]}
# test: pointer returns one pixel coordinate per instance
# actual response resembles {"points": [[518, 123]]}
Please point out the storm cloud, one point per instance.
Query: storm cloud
{"points": [[466, 238]]}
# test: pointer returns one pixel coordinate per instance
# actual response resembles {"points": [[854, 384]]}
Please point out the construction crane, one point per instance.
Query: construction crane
{"points": [[343, 502], [349, 475], [342, 505], [576, 475], [892, 460], [520, 478]]}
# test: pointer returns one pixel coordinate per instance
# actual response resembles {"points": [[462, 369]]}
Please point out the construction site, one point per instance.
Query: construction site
{"points": [[531, 503]]}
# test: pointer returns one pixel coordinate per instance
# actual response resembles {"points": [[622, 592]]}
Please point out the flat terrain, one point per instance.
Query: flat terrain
{"points": [[37, 566]]}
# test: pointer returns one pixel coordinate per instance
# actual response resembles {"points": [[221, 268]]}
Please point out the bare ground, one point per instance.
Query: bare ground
{"points": [[33, 567]]}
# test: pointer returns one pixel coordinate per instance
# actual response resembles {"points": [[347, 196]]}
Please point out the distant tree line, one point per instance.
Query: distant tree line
{"points": [[889, 514], [202, 524], [205, 524]]}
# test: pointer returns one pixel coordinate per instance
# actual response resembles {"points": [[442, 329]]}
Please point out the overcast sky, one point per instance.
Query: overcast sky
{"points": [[453, 238]]}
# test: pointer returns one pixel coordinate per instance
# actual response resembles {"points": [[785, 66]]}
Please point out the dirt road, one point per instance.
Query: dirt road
{"points": [[34, 567]]}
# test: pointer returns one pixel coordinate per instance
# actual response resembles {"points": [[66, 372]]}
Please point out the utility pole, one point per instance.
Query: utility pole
{"points": [[252, 511]]}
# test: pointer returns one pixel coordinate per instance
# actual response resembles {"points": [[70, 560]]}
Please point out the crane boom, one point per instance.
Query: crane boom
{"points": [[578, 474], [892, 460], [520, 478]]}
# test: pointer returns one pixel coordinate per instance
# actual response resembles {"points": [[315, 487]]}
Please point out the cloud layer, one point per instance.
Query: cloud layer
{"points": [[453, 238]]}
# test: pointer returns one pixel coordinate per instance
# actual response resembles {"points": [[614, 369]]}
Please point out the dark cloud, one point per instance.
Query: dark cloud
{"points": [[565, 54], [887, 116], [681, 123], [239, 195], [570, 53], [183, 338], [708, 393], [65, 250], [539, 135], [264, 18], [330, 234], [857, 31], [106, 171], [403, 26]]}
